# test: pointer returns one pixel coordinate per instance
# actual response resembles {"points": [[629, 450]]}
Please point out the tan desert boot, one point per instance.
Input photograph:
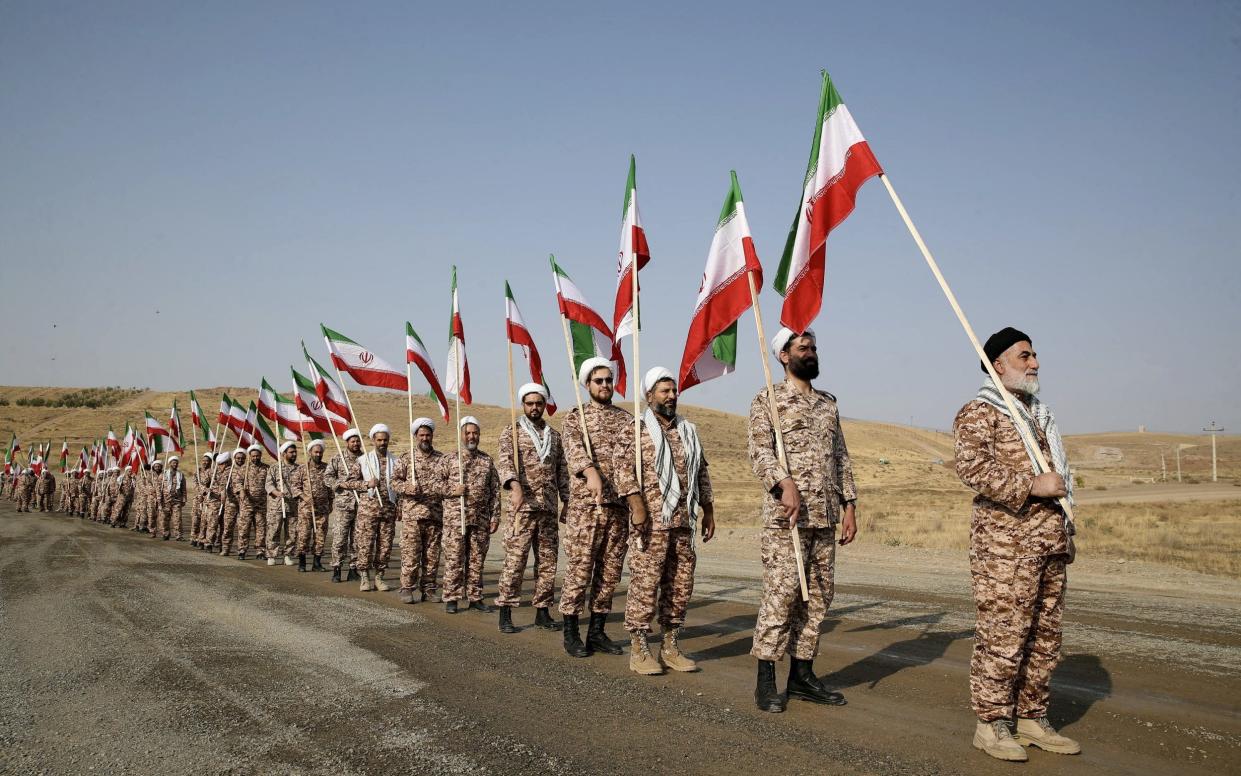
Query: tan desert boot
{"points": [[640, 659], [670, 653], [1040, 733], [366, 586], [379, 583], [996, 739]]}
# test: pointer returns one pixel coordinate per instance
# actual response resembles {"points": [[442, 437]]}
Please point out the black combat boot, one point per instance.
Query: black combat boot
{"points": [[573, 639], [506, 620], [241, 556], [597, 639], [765, 695], [479, 606], [301, 562], [805, 685], [542, 619], [336, 574], [450, 607], [352, 576], [318, 564]]}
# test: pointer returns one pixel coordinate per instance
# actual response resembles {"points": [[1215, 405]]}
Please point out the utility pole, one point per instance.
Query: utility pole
{"points": [[1213, 430]]}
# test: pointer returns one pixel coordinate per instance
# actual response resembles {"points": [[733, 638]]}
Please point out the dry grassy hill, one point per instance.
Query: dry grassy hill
{"points": [[909, 493]]}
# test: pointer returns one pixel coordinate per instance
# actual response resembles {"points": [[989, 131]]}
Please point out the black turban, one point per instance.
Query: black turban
{"points": [[1001, 341]]}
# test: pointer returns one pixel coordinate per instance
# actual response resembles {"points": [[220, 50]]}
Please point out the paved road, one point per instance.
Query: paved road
{"points": [[120, 654]]}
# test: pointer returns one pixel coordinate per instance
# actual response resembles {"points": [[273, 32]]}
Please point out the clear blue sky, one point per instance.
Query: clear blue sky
{"points": [[252, 169]]}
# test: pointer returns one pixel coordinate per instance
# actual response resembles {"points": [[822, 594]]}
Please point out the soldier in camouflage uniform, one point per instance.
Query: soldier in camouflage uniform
{"points": [[253, 512], [214, 505], [25, 490], [816, 489], [44, 489], [422, 484], [372, 477], [675, 482], [198, 513], [314, 503], [281, 506], [535, 491], [232, 500], [466, 540], [171, 521], [122, 492], [344, 507], [603, 498], [1019, 545], [99, 489]]}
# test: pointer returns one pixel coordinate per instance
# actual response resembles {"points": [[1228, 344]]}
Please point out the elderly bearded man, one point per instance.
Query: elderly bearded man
{"points": [[422, 482], [372, 477], [468, 535], [603, 499], [1019, 546], [817, 491], [675, 483], [535, 487]]}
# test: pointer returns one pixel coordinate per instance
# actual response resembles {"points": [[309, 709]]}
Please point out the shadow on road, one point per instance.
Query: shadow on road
{"points": [[1078, 683], [924, 648]]}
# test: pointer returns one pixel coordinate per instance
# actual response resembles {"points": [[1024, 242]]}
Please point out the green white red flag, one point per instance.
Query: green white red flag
{"points": [[14, 445], [157, 434], [416, 353], [331, 394], [64, 456], [308, 403], [840, 162], [633, 251], [458, 370], [589, 334], [361, 363], [265, 436], [200, 420], [175, 434], [519, 335], [711, 347], [283, 412]]}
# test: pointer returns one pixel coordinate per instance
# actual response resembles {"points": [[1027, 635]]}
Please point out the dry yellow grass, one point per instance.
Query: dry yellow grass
{"points": [[910, 494]]}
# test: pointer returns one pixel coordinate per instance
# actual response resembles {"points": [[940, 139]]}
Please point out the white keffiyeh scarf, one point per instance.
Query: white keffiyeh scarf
{"points": [[370, 471], [542, 441], [665, 469], [1043, 418]]}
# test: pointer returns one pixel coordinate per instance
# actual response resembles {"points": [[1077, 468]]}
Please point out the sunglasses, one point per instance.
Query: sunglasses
{"points": [[601, 380]]}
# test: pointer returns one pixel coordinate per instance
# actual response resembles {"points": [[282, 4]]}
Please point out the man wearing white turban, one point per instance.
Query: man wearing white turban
{"points": [[281, 506], [344, 507], [314, 503], [422, 482], [253, 512], [468, 536], [372, 477]]}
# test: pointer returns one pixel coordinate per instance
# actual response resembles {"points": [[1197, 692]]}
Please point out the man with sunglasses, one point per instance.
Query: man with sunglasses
{"points": [[603, 498]]}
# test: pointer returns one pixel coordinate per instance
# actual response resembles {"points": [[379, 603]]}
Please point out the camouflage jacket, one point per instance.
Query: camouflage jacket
{"points": [[307, 484], [254, 482], [273, 487], [173, 485], [482, 490], [543, 484], [337, 471], [374, 504], [992, 461], [422, 495], [611, 441], [651, 494], [817, 456], [219, 482]]}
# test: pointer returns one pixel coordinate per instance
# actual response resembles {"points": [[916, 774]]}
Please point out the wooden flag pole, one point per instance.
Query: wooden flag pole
{"points": [[409, 395], [794, 534], [969, 332], [637, 380], [456, 365], [512, 410]]}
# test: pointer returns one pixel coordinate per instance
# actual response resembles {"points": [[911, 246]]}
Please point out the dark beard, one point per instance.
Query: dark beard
{"points": [[804, 368], [666, 411]]}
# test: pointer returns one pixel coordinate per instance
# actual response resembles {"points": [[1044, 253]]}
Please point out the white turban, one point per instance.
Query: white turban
{"points": [[468, 419], [156, 462], [782, 338], [377, 429], [253, 448], [421, 423], [172, 458], [239, 451], [222, 458], [590, 365], [529, 388], [353, 432], [313, 443], [207, 455], [287, 445], [654, 375]]}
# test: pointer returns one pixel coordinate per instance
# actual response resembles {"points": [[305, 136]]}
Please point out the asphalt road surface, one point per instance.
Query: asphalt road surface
{"points": [[121, 654]]}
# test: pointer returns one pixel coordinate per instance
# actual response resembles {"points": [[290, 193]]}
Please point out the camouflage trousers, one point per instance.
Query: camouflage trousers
{"points": [[343, 521], [103, 509], [196, 519], [170, 521], [120, 510], [312, 526], [666, 569], [540, 532], [787, 624], [420, 554], [1017, 636], [252, 516], [278, 518], [463, 562], [24, 499], [42, 502], [227, 525], [372, 536], [595, 555], [135, 512]]}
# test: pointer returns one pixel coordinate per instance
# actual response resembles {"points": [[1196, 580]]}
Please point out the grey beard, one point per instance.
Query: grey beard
{"points": [[664, 410], [425, 447], [471, 446], [1026, 385]]}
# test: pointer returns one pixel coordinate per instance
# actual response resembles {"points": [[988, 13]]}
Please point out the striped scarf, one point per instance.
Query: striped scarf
{"points": [[1042, 418], [542, 442], [665, 470]]}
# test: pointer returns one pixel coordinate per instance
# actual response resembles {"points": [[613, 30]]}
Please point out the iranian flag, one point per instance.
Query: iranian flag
{"points": [[200, 420], [711, 346], [326, 389], [64, 456], [633, 250], [458, 373], [588, 332], [416, 353], [519, 335], [362, 365], [157, 434], [14, 445], [113, 445], [265, 436], [126, 446], [840, 162], [283, 412], [309, 404], [174, 430], [225, 403]]}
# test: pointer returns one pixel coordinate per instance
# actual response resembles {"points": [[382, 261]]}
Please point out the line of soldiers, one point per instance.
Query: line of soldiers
{"points": [[645, 503], [30, 491]]}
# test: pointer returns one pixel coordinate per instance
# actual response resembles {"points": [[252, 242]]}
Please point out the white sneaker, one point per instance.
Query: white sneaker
{"points": [[271, 561], [1039, 732], [996, 739], [288, 561]]}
